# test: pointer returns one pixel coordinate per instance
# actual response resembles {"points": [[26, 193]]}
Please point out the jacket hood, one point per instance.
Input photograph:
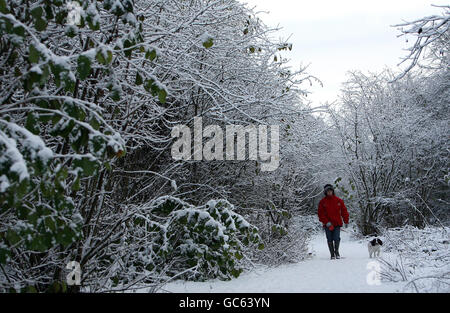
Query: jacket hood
{"points": [[328, 187]]}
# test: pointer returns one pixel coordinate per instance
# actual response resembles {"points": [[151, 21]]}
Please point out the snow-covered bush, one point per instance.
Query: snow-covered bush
{"points": [[291, 247], [422, 258], [285, 238], [170, 237]]}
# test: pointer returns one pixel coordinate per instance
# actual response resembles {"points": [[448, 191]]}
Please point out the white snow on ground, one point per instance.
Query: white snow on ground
{"points": [[318, 274]]}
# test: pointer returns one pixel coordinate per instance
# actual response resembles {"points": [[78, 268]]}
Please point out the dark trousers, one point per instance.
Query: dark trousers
{"points": [[333, 234]]}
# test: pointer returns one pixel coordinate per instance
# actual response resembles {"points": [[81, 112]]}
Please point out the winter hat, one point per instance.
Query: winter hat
{"points": [[326, 188]]}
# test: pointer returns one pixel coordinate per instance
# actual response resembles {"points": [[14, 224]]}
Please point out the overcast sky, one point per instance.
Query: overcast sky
{"points": [[337, 36]]}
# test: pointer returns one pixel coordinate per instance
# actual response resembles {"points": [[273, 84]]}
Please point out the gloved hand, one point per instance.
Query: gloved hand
{"points": [[346, 225], [330, 226]]}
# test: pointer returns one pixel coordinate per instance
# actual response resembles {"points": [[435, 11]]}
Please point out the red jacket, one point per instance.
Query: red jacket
{"points": [[331, 208]]}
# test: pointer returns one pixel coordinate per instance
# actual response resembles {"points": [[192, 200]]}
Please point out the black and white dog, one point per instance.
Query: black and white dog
{"points": [[374, 247]]}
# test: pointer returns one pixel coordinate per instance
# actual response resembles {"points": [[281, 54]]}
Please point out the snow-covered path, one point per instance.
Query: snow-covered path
{"points": [[318, 274]]}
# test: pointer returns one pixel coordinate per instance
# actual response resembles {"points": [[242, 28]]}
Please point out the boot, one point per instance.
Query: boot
{"points": [[336, 249], [331, 248]]}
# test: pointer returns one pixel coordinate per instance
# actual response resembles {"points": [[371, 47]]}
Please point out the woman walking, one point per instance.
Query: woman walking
{"points": [[331, 212]]}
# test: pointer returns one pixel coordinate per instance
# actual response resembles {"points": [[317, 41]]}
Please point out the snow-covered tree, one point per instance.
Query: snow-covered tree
{"points": [[81, 83], [58, 87], [432, 37], [393, 149]]}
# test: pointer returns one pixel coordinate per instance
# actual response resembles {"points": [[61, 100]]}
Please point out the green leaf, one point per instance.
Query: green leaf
{"points": [[98, 144], [104, 57], [208, 43], [37, 12], [40, 24], [139, 80], [261, 246], [162, 94], [100, 57], [87, 165], [49, 12], [50, 223], [84, 66], [94, 123], [76, 184], [109, 56], [64, 132], [91, 25], [148, 84], [69, 82], [151, 54], [115, 95], [19, 30], [72, 110], [33, 55], [3, 8], [71, 31], [65, 237], [62, 173], [127, 50], [12, 237], [38, 244], [236, 272], [31, 79], [154, 90], [4, 253], [31, 123]]}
